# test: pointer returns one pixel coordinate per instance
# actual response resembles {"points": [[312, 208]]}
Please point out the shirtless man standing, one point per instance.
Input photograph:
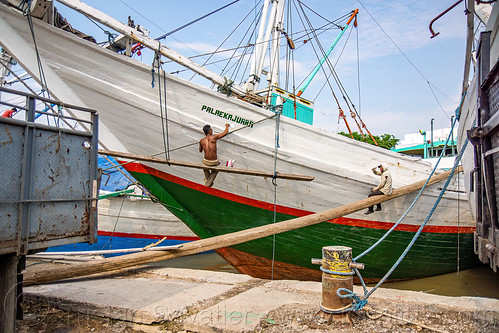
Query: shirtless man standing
{"points": [[209, 145]]}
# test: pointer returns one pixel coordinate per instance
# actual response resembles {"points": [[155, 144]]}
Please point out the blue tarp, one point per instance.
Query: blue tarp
{"points": [[112, 179]]}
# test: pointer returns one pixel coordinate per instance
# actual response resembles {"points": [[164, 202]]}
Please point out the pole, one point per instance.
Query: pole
{"points": [[217, 242], [431, 151], [319, 65], [425, 145], [187, 164], [452, 135]]}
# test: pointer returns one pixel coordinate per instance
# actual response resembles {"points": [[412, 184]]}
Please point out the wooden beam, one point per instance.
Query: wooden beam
{"points": [[110, 264], [202, 166]]}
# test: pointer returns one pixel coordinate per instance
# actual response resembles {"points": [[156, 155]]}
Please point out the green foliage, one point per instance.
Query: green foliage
{"points": [[387, 141]]}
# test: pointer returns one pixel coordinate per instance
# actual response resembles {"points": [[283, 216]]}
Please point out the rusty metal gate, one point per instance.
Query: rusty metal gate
{"points": [[48, 174]]}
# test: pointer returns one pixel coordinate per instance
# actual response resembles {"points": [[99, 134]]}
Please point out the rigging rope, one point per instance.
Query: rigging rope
{"points": [[405, 56], [110, 240], [358, 67], [346, 97], [167, 148], [417, 197], [194, 21], [218, 48], [162, 94], [25, 7], [458, 222]]}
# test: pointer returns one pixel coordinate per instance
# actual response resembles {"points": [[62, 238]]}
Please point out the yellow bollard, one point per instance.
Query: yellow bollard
{"points": [[336, 273]]}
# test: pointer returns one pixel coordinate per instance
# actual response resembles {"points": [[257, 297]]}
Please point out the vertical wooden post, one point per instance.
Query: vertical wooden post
{"points": [[336, 273], [8, 280]]}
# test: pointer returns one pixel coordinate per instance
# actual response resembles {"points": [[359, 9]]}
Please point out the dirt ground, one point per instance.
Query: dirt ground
{"points": [[41, 317], [379, 316], [397, 318]]}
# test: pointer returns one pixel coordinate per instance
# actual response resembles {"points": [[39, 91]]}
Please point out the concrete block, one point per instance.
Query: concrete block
{"points": [[243, 312], [139, 300]]}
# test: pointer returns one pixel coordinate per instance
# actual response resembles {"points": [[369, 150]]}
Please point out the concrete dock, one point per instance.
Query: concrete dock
{"points": [[160, 299]]}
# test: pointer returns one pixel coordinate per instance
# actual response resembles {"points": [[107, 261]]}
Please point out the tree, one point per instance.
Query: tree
{"points": [[387, 141]]}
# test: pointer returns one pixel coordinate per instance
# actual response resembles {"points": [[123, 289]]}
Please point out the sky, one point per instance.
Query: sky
{"points": [[394, 95]]}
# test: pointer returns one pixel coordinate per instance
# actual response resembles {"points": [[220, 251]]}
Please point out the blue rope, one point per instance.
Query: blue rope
{"points": [[111, 39], [417, 197], [156, 58], [357, 302], [25, 7], [337, 273], [456, 163]]}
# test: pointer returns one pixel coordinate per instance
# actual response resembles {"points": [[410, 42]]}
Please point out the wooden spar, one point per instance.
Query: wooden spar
{"points": [[202, 166], [130, 260]]}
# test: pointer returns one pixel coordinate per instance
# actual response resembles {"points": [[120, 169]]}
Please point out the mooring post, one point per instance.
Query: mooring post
{"points": [[336, 273]]}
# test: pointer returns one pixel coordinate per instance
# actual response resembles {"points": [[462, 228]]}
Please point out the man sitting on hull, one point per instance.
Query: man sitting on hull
{"points": [[384, 187], [208, 144]]}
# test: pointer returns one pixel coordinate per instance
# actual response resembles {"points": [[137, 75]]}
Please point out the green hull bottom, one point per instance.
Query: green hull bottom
{"points": [[210, 212]]}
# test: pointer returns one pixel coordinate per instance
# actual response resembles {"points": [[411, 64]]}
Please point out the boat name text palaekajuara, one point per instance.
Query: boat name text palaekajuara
{"points": [[228, 116]]}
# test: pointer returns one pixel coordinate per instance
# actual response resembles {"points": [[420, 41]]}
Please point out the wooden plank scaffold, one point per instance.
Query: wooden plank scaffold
{"points": [[202, 166]]}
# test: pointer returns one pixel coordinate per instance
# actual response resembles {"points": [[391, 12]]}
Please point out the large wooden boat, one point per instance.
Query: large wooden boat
{"points": [[80, 72]]}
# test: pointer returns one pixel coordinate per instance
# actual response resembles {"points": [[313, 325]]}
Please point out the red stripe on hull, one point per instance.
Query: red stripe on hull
{"points": [[140, 168], [133, 235]]}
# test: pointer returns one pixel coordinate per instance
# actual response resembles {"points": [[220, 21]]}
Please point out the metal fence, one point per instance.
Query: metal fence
{"points": [[48, 173]]}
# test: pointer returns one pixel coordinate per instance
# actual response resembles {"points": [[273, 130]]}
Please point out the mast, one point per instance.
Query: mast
{"points": [[267, 26], [149, 43], [273, 78], [319, 65]]}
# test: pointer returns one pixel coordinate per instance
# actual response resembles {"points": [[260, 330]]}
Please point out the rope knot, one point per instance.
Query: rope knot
{"points": [[226, 88], [25, 7], [357, 304], [274, 178]]}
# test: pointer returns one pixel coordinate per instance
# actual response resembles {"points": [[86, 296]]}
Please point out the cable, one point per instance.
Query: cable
{"points": [[226, 38], [160, 92], [110, 240], [405, 56], [144, 17], [458, 225], [274, 182], [43, 81], [194, 21]]}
